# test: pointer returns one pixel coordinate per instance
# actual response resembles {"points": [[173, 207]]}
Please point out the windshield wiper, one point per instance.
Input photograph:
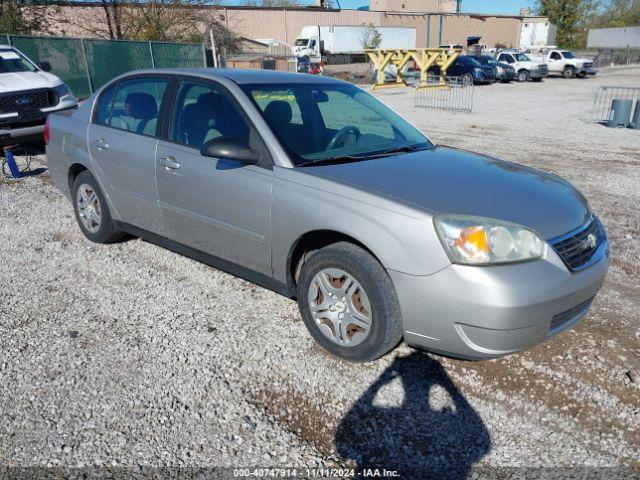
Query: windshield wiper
{"points": [[334, 160], [365, 156]]}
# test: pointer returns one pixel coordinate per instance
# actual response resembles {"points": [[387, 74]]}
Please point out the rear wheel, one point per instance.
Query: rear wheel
{"points": [[523, 75], [569, 72], [92, 211], [348, 303]]}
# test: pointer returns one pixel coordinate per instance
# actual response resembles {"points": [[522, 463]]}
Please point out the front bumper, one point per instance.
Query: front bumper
{"points": [[483, 312], [536, 73], [586, 71]]}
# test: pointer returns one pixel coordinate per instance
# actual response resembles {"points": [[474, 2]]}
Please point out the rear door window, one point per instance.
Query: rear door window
{"points": [[132, 105]]}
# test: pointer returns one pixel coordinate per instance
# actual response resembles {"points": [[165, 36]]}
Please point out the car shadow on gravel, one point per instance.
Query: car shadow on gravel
{"points": [[433, 432]]}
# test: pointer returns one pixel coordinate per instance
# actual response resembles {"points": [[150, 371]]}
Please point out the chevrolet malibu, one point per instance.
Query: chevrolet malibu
{"points": [[315, 189]]}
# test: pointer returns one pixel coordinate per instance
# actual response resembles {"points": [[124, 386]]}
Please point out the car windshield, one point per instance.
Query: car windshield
{"points": [[521, 57], [332, 122], [568, 55], [302, 42], [11, 61]]}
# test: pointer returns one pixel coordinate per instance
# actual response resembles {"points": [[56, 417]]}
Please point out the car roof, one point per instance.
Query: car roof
{"points": [[242, 77]]}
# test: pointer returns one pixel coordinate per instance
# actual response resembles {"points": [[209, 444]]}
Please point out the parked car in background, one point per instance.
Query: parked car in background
{"points": [[314, 188], [505, 73], [469, 70], [525, 67], [565, 63], [28, 93]]}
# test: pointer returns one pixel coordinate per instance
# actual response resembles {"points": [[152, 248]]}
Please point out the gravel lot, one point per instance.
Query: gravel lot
{"points": [[130, 355]]}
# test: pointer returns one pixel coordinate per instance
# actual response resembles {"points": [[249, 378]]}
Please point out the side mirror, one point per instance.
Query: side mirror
{"points": [[45, 66], [230, 149]]}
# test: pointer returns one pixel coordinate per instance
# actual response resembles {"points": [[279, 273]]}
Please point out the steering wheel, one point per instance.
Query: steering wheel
{"points": [[341, 136]]}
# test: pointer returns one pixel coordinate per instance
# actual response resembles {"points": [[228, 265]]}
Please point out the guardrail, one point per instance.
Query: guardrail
{"points": [[423, 58], [608, 99]]}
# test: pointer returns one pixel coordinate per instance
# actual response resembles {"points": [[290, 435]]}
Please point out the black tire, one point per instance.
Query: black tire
{"points": [[537, 80], [523, 76], [386, 321], [106, 233], [467, 80], [569, 72]]}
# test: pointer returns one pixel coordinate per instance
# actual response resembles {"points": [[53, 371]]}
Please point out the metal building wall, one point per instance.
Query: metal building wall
{"points": [[617, 38], [285, 25], [493, 30]]}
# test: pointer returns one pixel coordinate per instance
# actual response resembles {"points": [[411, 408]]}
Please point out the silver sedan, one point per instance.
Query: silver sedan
{"points": [[315, 189]]}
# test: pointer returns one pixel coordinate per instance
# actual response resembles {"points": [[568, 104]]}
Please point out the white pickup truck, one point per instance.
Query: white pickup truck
{"points": [[28, 93], [565, 63], [525, 67]]}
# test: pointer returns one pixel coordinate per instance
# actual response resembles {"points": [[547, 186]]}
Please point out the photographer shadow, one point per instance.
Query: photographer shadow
{"points": [[432, 433]]}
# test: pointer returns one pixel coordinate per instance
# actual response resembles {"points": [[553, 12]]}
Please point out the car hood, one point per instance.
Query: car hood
{"points": [[21, 81], [445, 180]]}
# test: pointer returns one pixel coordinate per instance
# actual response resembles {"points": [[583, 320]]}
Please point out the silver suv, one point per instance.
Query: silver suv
{"points": [[314, 188]]}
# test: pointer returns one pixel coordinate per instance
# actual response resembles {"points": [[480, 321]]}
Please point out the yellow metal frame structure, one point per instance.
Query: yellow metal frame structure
{"points": [[424, 58]]}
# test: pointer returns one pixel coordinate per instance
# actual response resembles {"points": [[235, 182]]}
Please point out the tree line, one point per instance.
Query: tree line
{"points": [[574, 18]]}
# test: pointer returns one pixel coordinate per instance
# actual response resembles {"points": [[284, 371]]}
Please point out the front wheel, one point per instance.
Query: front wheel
{"points": [[539, 79], [348, 303], [523, 76], [467, 80], [569, 72]]}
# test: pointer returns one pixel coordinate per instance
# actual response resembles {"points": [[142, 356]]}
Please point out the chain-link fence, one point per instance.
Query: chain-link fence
{"points": [[455, 95], [87, 64]]}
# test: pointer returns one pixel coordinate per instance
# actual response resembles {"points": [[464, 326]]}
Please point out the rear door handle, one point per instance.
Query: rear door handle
{"points": [[102, 144], [169, 163]]}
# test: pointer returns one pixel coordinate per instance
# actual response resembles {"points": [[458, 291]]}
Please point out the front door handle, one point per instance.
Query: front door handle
{"points": [[102, 144], [169, 163]]}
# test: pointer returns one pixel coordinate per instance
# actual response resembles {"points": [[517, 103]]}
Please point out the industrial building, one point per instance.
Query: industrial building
{"points": [[436, 21]]}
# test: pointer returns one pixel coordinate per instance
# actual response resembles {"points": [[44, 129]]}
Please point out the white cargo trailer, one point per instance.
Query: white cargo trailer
{"points": [[537, 34], [315, 40]]}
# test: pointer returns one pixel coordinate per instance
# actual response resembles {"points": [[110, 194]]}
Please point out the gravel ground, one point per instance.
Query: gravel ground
{"points": [[130, 355]]}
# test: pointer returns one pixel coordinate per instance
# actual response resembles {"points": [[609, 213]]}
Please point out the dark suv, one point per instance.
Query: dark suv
{"points": [[469, 70], [504, 72]]}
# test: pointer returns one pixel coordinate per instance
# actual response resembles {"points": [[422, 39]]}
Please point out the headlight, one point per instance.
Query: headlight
{"points": [[482, 241], [501, 70], [62, 90]]}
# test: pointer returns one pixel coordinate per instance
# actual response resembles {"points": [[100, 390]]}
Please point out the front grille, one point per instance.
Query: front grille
{"points": [[564, 319], [26, 101], [543, 69], [587, 64], [577, 248]]}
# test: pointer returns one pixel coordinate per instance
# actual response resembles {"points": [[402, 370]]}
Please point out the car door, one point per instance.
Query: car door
{"points": [[122, 143], [218, 206], [507, 59], [555, 61]]}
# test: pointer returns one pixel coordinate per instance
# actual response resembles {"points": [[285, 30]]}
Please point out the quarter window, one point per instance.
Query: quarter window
{"points": [[132, 105]]}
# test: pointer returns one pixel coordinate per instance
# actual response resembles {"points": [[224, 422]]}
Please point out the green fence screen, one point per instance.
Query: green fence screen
{"points": [[87, 64]]}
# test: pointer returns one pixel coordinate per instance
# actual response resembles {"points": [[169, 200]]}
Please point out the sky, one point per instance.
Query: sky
{"points": [[474, 6]]}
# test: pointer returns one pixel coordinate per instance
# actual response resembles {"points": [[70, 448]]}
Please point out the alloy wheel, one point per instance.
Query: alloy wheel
{"points": [[89, 208]]}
